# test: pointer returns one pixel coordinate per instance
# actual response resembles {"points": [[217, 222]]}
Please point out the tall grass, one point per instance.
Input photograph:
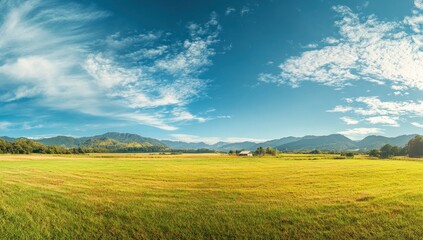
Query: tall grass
{"points": [[130, 196]]}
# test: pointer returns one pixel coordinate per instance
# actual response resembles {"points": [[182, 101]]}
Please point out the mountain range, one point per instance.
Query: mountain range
{"points": [[334, 142]]}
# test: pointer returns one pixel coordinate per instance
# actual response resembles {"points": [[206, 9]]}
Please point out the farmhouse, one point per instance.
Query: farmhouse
{"points": [[246, 153]]}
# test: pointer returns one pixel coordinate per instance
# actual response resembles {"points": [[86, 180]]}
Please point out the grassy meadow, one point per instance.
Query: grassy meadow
{"points": [[130, 196]]}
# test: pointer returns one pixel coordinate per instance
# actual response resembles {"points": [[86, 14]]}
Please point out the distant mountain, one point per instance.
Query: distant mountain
{"points": [[238, 146], [118, 146], [9, 139], [220, 146], [375, 142], [133, 142], [336, 142], [131, 138], [277, 142], [110, 140], [187, 145]]}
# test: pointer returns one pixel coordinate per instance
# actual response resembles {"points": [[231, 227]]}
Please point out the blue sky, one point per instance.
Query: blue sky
{"points": [[211, 70]]}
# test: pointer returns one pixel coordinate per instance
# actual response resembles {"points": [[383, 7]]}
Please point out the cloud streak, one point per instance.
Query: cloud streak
{"points": [[142, 77], [212, 140]]}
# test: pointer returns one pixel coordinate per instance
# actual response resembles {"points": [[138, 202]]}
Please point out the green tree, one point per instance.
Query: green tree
{"points": [[316, 152], [415, 147], [260, 151], [272, 151], [374, 153], [386, 151], [348, 154]]}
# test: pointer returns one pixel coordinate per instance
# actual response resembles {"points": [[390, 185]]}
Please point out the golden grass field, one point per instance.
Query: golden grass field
{"points": [[142, 196]]}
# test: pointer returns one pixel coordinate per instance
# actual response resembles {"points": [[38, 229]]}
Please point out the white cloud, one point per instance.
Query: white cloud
{"points": [[374, 106], [9, 126], [154, 120], [4, 125], [384, 113], [245, 10], [331, 40], [368, 49], [119, 41], [51, 52], [28, 126], [229, 10], [181, 114], [356, 133], [340, 109], [384, 120], [350, 121], [419, 125], [311, 45], [212, 140], [107, 74], [399, 88]]}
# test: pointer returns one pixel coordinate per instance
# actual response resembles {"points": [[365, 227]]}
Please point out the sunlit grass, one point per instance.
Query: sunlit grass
{"points": [[120, 196]]}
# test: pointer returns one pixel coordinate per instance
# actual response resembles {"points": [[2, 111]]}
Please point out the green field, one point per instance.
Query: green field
{"points": [[209, 197]]}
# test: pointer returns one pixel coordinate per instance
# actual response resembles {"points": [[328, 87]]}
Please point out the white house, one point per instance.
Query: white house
{"points": [[246, 153]]}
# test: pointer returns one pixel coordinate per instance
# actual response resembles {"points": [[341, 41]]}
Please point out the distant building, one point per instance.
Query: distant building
{"points": [[246, 153]]}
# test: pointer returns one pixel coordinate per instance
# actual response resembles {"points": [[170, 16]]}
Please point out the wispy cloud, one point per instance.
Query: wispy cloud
{"points": [[212, 140], [11, 126], [350, 121], [419, 125], [4, 125], [50, 53], [229, 10], [340, 109], [384, 120], [384, 113], [371, 106], [368, 49], [245, 10]]}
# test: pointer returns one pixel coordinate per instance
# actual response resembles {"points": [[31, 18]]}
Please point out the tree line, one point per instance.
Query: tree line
{"points": [[413, 149], [27, 146]]}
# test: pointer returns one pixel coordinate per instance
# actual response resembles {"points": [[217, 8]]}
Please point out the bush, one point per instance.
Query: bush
{"points": [[374, 153], [272, 151], [348, 154]]}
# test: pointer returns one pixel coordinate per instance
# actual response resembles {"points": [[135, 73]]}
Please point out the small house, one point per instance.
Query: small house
{"points": [[246, 153]]}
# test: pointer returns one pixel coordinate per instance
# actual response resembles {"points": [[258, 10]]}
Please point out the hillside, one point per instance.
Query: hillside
{"points": [[131, 139], [375, 142], [335, 142], [9, 139], [186, 145], [111, 141], [238, 146], [63, 141], [277, 142]]}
